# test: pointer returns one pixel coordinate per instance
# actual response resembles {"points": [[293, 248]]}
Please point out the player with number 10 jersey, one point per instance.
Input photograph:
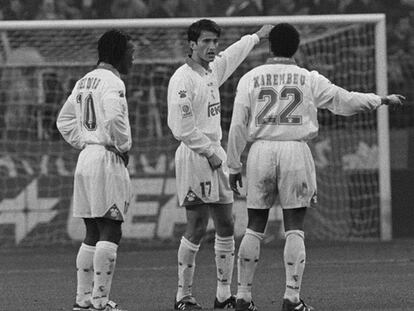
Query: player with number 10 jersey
{"points": [[94, 116]]}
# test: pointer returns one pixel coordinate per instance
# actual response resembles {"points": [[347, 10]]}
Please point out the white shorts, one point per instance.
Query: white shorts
{"points": [[281, 170], [102, 187], [197, 183]]}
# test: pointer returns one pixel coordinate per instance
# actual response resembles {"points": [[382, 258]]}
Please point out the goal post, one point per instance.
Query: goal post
{"points": [[43, 60]]}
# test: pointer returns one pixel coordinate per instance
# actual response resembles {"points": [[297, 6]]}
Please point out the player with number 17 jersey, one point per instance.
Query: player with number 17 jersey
{"points": [[194, 119], [95, 116]]}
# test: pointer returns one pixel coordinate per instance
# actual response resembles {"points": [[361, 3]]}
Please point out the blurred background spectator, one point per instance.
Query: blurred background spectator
{"points": [[245, 8], [163, 8], [400, 17], [53, 9], [129, 9]]}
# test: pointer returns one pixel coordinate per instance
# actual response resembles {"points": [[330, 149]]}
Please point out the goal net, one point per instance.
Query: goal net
{"points": [[41, 61]]}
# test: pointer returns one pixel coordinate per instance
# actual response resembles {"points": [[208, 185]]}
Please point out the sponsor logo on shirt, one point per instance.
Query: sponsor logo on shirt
{"points": [[213, 109]]}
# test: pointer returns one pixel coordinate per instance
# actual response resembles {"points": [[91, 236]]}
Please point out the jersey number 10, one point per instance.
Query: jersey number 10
{"points": [[87, 109], [286, 116]]}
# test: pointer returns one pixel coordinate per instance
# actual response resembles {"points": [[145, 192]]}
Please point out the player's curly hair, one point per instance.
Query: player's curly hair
{"points": [[195, 29], [112, 46], [284, 40]]}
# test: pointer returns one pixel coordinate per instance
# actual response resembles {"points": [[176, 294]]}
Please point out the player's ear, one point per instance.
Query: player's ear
{"points": [[192, 44]]}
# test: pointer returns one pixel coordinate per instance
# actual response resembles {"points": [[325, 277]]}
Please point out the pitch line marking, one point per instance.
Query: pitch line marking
{"points": [[317, 263]]}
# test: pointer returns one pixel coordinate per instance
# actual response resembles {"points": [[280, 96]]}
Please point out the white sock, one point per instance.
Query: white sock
{"points": [[104, 266], [224, 250], [186, 264], [84, 267], [294, 257], [249, 253]]}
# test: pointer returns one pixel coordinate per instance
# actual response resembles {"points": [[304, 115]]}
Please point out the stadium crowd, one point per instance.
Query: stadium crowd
{"points": [[400, 36], [400, 15], [78, 9]]}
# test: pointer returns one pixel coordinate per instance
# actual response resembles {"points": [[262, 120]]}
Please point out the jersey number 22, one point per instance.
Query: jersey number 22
{"points": [[286, 116]]}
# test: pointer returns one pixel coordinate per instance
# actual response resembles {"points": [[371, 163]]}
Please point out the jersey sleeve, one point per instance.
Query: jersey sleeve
{"points": [[338, 100], [239, 127], [181, 119], [68, 125], [116, 116], [228, 60]]}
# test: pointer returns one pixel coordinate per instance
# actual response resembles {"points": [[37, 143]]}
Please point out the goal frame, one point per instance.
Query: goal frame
{"points": [[380, 61]]}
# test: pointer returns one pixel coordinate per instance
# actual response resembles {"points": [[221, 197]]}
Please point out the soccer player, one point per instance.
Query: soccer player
{"points": [[95, 119], [201, 170], [276, 109]]}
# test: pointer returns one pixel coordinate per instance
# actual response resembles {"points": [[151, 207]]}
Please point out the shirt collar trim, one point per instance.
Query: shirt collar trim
{"points": [[281, 60], [196, 66], [109, 67]]}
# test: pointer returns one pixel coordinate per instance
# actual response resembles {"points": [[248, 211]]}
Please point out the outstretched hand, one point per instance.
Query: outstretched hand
{"points": [[393, 100], [234, 179], [263, 32]]}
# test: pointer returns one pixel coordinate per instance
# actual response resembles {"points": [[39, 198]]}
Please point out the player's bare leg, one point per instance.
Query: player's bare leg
{"points": [[197, 220], [224, 253], [84, 266], [294, 258], [104, 262], [248, 257]]}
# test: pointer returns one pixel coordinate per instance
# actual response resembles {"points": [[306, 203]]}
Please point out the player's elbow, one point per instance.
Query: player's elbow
{"points": [[124, 147]]}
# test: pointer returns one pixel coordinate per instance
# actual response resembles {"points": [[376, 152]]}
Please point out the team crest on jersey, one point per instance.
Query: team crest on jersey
{"points": [[192, 198], [114, 213], [186, 111], [121, 94], [182, 93]]}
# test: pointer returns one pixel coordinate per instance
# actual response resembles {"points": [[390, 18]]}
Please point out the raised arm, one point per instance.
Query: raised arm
{"points": [[116, 117], [342, 102], [68, 125], [181, 119], [228, 60]]}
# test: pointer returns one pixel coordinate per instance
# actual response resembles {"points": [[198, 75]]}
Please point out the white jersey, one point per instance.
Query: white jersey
{"points": [[194, 99], [278, 101], [96, 112]]}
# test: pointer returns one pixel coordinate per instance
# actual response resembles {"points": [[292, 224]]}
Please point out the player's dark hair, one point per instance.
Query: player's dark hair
{"points": [[195, 29], [284, 40], [112, 46]]}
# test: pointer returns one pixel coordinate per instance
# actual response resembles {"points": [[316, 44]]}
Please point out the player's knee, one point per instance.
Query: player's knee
{"points": [[225, 227], [257, 224], [92, 232], [91, 239], [110, 231], [196, 233], [113, 236], [293, 219]]}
